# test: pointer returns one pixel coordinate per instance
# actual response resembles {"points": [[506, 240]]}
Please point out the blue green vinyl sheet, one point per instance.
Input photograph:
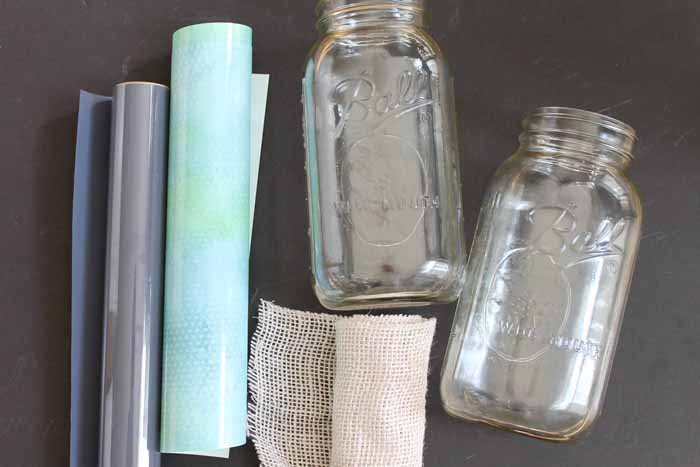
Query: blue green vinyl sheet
{"points": [[207, 241]]}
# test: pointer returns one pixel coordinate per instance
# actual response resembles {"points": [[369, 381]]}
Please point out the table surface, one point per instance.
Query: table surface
{"points": [[636, 60]]}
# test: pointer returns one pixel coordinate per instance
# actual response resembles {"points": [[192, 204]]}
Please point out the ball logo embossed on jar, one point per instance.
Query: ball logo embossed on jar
{"points": [[383, 190], [530, 294], [357, 100]]}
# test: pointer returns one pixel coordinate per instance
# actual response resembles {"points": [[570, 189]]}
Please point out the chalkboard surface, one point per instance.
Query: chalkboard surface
{"points": [[637, 60]]}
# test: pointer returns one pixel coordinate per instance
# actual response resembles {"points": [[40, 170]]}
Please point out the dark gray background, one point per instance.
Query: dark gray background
{"points": [[637, 60]]}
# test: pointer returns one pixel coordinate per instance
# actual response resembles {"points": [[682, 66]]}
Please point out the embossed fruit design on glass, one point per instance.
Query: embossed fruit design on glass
{"points": [[382, 160], [536, 327]]}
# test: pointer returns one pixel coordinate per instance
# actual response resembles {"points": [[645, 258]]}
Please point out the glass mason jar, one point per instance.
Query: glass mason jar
{"points": [[547, 280], [382, 159]]}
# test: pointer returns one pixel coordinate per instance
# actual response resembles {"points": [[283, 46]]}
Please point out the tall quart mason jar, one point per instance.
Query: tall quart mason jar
{"points": [[382, 159], [536, 327]]}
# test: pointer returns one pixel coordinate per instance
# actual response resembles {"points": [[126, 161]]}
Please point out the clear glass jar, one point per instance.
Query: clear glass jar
{"points": [[382, 160], [548, 275]]}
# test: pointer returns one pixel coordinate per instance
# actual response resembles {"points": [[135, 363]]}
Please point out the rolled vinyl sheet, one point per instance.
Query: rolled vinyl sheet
{"points": [[208, 236], [90, 190], [87, 274], [130, 410]]}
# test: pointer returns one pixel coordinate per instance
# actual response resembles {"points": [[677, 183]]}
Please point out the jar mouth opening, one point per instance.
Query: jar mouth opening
{"points": [[586, 116], [325, 9], [602, 132], [330, 5]]}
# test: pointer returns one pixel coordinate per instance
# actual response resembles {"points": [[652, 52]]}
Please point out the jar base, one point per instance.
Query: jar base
{"points": [[570, 435], [382, 301]]}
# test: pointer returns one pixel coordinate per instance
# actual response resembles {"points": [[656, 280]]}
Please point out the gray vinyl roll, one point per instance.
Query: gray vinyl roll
{"points": [[130, 398]]}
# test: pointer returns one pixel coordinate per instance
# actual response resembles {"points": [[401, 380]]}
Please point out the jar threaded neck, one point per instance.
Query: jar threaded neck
{"points": [[351, 14], [590, 136]]}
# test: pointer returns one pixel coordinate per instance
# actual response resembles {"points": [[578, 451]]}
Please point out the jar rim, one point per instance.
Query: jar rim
{"points": [[588, 116], [324, 7], [577, 124]]}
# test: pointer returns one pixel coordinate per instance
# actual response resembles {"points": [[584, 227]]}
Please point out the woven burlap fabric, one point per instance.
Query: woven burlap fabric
{"points": [[291, 372], [342, 392], [379, 391]]}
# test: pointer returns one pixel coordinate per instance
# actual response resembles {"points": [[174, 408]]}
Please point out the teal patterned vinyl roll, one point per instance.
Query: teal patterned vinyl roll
{"points": [[207, 241]]}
